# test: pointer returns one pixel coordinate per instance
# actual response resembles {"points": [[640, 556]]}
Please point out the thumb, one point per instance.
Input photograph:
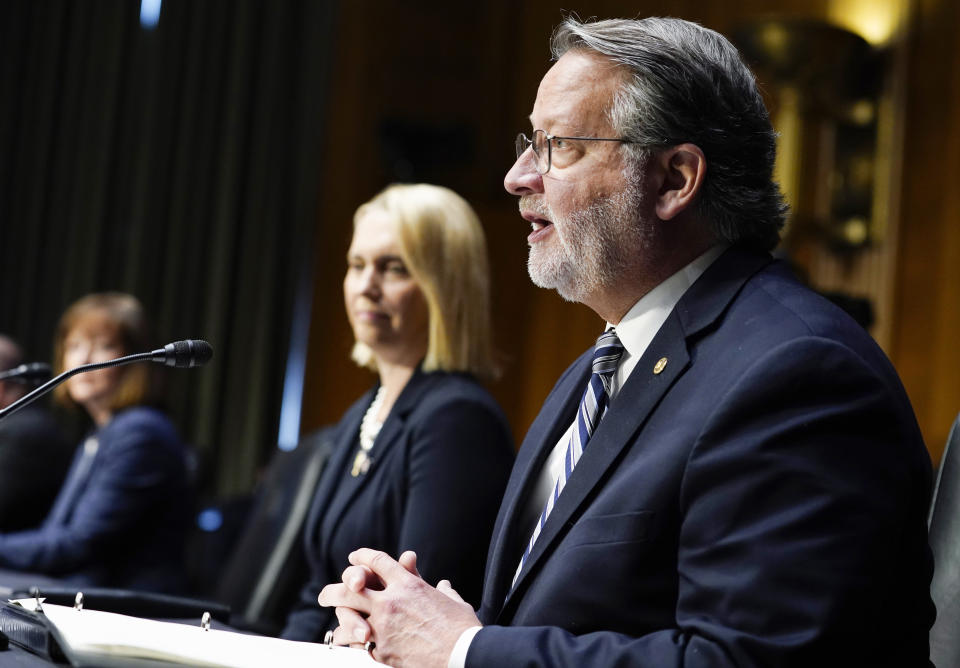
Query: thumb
{"points": [[444, 587]]}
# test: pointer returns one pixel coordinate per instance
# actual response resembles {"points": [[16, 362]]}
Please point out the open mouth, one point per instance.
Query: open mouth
{"points": [[540, 227]]}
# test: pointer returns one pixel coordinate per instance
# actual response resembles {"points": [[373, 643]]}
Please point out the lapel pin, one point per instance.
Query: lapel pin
{"points": [[660, 365]]}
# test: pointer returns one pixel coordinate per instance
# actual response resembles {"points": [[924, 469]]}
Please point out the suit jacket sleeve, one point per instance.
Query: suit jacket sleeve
{"points": [[131, 478], [789, 492]]}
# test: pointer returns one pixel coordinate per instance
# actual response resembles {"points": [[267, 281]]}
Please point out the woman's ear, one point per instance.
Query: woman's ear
{"points": [[682, 169]]}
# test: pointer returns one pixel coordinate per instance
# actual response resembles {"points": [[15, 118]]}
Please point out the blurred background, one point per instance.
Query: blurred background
{"points": [[208, 157]]}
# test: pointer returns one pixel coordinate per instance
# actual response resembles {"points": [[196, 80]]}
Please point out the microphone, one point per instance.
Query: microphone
{"points": [[182, 354], [34, 372]]}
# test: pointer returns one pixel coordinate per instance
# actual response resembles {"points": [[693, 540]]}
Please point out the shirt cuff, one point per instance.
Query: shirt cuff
{"points": [[458, 657]]}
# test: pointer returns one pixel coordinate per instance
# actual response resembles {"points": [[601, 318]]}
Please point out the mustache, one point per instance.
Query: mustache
{"points": [[536, 205]]}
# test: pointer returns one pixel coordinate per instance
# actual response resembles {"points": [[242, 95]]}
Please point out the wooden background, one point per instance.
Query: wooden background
{"points": [[413, 79]]}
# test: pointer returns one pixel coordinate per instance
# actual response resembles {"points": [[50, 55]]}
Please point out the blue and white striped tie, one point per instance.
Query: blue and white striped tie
{"points": [[606, 357]]}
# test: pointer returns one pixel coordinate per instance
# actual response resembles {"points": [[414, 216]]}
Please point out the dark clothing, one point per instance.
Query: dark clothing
{"points": [[760, 502], [121, 517], [439, 466], [34, 458]]}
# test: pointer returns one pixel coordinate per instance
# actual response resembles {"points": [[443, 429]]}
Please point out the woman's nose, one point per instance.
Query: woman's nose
{"points": [[370, 283], [79, 354]]}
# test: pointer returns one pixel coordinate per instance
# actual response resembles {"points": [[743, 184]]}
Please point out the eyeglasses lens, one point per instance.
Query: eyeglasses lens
{"points": [[541, 149]]}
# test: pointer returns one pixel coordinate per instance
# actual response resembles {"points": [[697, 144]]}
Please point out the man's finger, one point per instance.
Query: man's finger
{"points": [[409, 561], [381, 563], [353, 628], [444, 588], [340, 596], [359, 577]]}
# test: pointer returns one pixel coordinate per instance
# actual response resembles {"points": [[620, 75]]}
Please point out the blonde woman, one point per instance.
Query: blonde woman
{"points": [[422, 459]]}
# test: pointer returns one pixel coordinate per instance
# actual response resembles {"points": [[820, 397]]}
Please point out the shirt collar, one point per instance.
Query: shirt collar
{"points": [[641, 323]]}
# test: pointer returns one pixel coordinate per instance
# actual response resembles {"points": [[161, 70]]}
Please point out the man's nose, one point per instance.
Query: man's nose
{"points": [[523, 178]]}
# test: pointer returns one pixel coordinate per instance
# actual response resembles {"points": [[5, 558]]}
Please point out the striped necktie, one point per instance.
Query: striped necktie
{"points": [[606, 357]]}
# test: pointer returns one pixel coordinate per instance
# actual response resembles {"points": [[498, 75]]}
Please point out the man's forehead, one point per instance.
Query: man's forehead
{"points": [[575, 92]]}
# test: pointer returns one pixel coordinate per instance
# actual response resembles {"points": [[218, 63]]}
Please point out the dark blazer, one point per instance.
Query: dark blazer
{"points": [[122, 514], [759, 502], [439, 467], [34, 458]]}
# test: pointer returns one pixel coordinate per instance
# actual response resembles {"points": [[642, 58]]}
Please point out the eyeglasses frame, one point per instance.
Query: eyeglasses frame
{"points": [[521, 137]]}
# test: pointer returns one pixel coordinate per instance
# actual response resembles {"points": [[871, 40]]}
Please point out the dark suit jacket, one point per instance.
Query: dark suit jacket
{"points": [[440, 464], [34, 458], [760, 502], [121, 517]]}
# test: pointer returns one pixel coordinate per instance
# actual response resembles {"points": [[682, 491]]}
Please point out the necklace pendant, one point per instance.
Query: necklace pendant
{"points": [[361, 464]]}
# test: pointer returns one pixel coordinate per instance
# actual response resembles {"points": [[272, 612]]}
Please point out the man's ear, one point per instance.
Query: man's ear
{"points": [[682, 169]]}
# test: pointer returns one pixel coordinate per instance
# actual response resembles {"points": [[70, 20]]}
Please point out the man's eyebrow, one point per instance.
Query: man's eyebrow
{"points": [[573, 130]]}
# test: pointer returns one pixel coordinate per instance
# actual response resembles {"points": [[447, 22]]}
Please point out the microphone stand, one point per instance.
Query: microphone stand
{"points": [[52, 383]]}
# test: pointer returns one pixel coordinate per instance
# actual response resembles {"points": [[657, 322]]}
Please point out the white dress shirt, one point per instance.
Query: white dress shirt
{"points": [[636, 330]]}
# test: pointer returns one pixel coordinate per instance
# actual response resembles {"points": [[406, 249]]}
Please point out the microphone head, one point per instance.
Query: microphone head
{"points": [[33, 372], [187, 353]]}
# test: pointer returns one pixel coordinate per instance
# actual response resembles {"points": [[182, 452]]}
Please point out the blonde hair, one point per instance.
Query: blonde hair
{"points": [[442, 243], [120, 313]]}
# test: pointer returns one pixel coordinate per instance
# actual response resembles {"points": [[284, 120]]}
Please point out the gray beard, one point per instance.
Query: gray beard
{"points": [[597, 245]]}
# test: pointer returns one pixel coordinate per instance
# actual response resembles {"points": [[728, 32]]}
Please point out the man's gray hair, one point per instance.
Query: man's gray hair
{"points": [[687, 83]]}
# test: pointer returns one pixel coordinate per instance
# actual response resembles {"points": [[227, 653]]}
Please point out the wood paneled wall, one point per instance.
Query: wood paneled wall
{"points": [[925, 345], [471, 72]]}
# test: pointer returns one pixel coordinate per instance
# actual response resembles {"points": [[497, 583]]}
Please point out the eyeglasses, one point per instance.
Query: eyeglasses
{"points": [[542, 145]]}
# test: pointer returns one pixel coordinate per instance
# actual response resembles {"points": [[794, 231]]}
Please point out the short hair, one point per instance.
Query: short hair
{"points": [[686, 83], [11, 355], [118, 313], [442, 243]]}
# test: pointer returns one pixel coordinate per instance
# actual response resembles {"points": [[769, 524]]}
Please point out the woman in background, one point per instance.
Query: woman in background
{"points": [[421, 460], [121, 516]]}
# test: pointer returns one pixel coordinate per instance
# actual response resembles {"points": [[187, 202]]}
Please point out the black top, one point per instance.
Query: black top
{"points": [[34, 458]]}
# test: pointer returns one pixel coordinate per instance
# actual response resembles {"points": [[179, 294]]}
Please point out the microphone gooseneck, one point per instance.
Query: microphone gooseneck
{"points": [[182, 354]]}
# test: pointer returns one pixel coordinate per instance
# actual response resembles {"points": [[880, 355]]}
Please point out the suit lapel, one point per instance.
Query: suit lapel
{"points": [[344, 450], [554, 418], [627, 413], [700, 306]]}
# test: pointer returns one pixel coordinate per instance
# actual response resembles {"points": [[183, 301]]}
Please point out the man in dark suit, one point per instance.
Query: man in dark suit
{"points": [[34, 454], [755, 491]]}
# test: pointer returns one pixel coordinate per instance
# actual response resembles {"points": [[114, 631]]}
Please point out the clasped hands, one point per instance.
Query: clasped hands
{"points": [[387, 602]]}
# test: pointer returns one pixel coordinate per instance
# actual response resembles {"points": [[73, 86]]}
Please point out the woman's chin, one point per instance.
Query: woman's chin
{"points": [[376, 338], [89, 400]]}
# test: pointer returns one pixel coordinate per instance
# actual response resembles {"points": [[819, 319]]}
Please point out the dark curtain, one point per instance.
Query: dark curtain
{"points": [[180, 164]]}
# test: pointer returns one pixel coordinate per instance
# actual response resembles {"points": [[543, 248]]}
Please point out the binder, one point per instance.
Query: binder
{"points": [[152, 605], [93, 638], [31, 631]]}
